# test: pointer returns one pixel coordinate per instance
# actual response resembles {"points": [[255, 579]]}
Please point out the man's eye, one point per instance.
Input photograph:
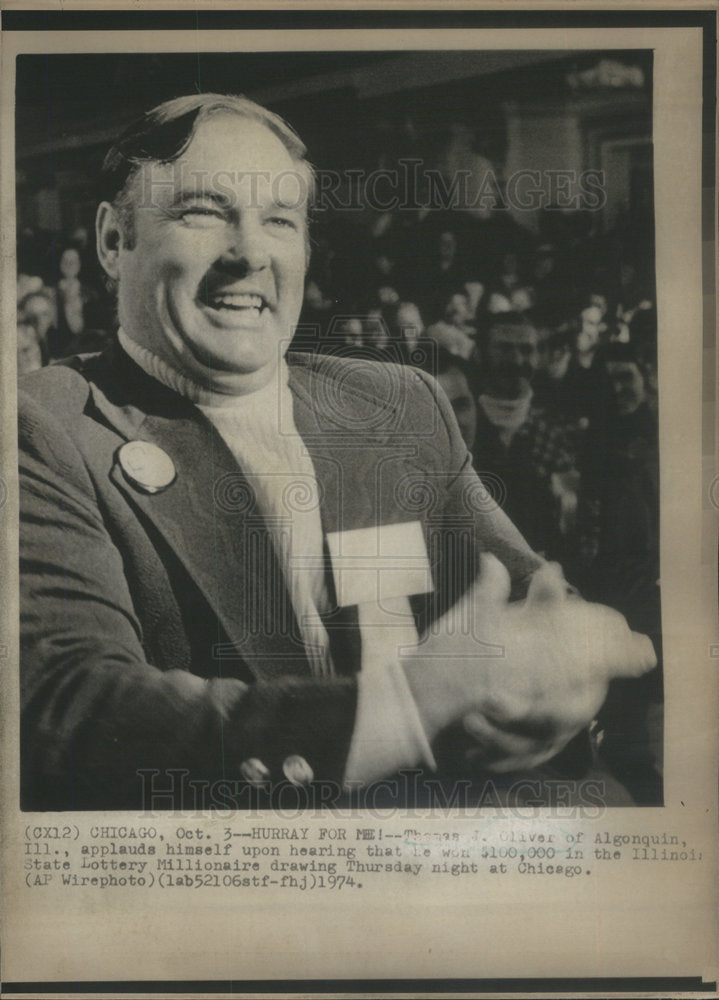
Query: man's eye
{"points": [[202, 218], [282, 221]]}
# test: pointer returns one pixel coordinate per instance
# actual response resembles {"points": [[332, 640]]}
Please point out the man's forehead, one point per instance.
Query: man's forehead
{"points": [[236, 136], [229, 157]]}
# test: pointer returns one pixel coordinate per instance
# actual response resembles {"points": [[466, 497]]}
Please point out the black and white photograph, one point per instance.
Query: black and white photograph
{"points": [[342, 369], [435, 345]]}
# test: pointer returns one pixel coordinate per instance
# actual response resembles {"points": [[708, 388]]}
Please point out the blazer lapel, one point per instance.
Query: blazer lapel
{"points": [[208, 517], [359, 458], [359, 465]]}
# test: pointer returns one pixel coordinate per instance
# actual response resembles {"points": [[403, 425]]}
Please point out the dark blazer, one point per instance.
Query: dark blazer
{"points": [[157, 634]]}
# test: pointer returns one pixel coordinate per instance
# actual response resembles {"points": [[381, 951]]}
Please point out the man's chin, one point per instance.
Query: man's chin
{"points": [[247, 364], [242, 353]]}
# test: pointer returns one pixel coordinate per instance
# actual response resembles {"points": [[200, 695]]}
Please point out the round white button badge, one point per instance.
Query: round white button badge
{"points": [[146, 466]]}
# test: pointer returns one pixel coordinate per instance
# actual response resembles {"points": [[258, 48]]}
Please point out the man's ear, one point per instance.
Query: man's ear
{"points": [[108, 235]]}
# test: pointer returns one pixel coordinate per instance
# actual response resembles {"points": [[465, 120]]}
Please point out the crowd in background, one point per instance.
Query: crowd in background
{"points": [[543, 340], [63, 306], [545, 344]]}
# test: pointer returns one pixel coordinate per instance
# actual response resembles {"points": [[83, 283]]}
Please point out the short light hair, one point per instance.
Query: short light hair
{"points": [[163, 134]]}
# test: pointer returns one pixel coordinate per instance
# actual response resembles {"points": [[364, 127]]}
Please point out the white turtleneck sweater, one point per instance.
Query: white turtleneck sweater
{"points": [[259, 429]]}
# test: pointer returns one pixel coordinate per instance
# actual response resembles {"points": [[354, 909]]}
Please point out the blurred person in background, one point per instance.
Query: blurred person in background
{"points": [[350, 330], [585, 388], [29, 352], [375, 331], [405, 326], [455, 332], [393, 331], [507, 290], [458, 380], [618, 522], [643, 335], [27, 284], [38, 309], [549, 291], [555, 355], [620, 472], [440, 273], [70, 297], [518, 443]]}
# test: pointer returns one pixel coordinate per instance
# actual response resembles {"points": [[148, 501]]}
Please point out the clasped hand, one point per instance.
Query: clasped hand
{"points": [[523, 677]]}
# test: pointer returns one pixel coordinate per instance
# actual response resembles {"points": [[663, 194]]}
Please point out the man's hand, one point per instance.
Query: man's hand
{"points": [[525, 704]]}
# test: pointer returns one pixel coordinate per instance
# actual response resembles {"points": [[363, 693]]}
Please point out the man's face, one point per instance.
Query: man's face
{"points": [[214, 281], [458, 393], [628, 385], [512, 359]]}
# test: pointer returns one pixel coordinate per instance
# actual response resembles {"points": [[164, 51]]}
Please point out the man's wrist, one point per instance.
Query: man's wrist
{"points": [[389, 734]]}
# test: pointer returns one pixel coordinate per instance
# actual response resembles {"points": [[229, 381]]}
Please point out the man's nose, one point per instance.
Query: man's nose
{"points": [[247, 247]]}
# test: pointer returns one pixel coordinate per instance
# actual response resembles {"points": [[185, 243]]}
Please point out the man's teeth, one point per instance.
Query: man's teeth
{"points": [[236, 301]]}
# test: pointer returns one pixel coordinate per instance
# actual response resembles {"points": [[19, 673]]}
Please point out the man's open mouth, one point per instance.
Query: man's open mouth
{"points": [[247, 305]]}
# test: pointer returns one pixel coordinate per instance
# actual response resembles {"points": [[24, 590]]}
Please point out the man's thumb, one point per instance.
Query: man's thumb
{"points": [[492, 585], [547, 586]]}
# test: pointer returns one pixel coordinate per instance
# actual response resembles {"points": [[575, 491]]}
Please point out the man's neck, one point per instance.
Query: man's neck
{"points": [[161, 370]]}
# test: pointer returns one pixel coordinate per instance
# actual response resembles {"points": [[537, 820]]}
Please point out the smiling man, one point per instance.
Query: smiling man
{"points": [[224, 550], [210, 251]]}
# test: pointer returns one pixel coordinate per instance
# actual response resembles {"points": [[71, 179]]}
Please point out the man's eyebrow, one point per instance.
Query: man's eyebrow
{"points": [[195, 194], [189, 195]]}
